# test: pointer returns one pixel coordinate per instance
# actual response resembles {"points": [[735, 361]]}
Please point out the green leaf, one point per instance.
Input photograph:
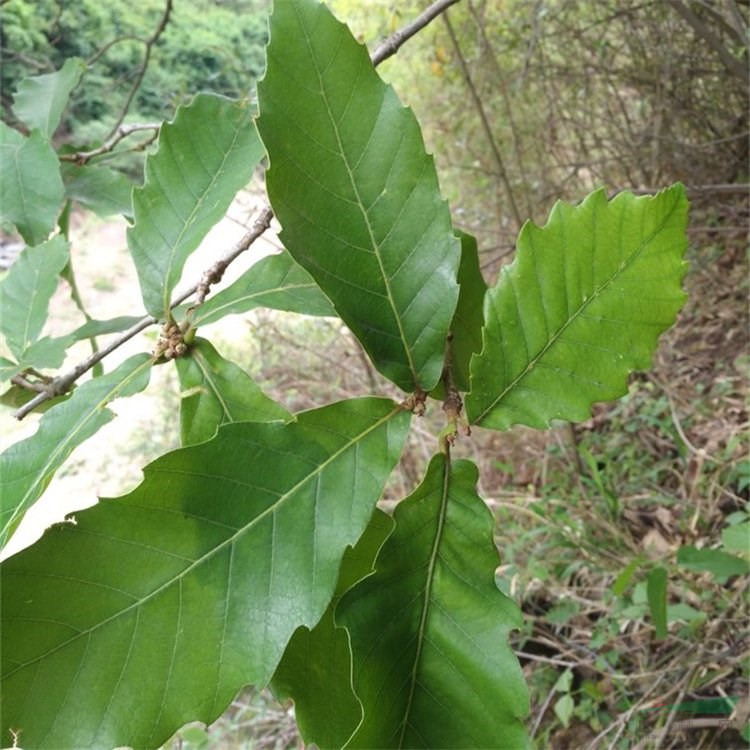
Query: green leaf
{"points": [[356, 194], [720, 564], [564, 682], [27, 467], [93, 328], [156, 608], [315, 671], [623, 580], [102, 190], [656, 591], [737, 538], [563, 709], [41, 100], [26, 291], [429, 628], [205, 156], [46, 354], [8, 369], [469, 316], [683, 611], [579, 309], [275, 281], [216, 391], [31, 190]]}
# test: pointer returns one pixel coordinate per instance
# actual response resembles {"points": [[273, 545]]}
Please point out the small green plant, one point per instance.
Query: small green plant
{"points": [[255, 554]]}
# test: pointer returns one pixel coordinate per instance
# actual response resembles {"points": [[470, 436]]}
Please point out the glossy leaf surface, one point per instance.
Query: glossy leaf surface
{"points": [[31, 190], [429, 629], [275, 281], [356, 194], [155, 608], [582, 306], [41, 100], [315, 671], [205, 156], [26, 291], [215, 391], [27, 466]]}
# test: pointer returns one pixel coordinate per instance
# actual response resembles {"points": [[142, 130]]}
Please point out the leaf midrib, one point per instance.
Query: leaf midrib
{"points": [[205, 368], [427, 594], [622, 268], [189, 222], [219, 309], [229, 541], [360, 205]]}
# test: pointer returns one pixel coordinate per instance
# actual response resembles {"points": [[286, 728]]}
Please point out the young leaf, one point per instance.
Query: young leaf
{"points": [[205, 156], [26, 291], [27, 467], [275, 281], [656, 592], [156, 608], [429, 628], [102, 190], [216, 391], [579, 309], [31, 190], [41, 100], [316, 669], [356, 194]]}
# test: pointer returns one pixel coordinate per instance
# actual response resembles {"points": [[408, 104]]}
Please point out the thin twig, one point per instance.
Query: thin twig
{"points": [[485, 122], [687, 680], [736, 67], [391, 45], [122, 131], [149, 44]]}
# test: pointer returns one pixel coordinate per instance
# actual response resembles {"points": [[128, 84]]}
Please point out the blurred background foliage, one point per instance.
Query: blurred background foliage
{"points": [[524, 102], [207, 45]]}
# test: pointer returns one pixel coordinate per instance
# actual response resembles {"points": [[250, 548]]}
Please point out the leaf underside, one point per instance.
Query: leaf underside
{"points": [[315, 671], [26, 291], [205, 156], [41, 100], [356, 194], [102, 190], [216, 391], [580, 308], [31, 189], [275, 281], [27, 466], [155, 608], [429, 628]]}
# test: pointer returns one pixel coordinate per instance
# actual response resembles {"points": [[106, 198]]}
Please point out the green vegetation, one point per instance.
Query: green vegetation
{"points": [[205, 46], [328, 540]]}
